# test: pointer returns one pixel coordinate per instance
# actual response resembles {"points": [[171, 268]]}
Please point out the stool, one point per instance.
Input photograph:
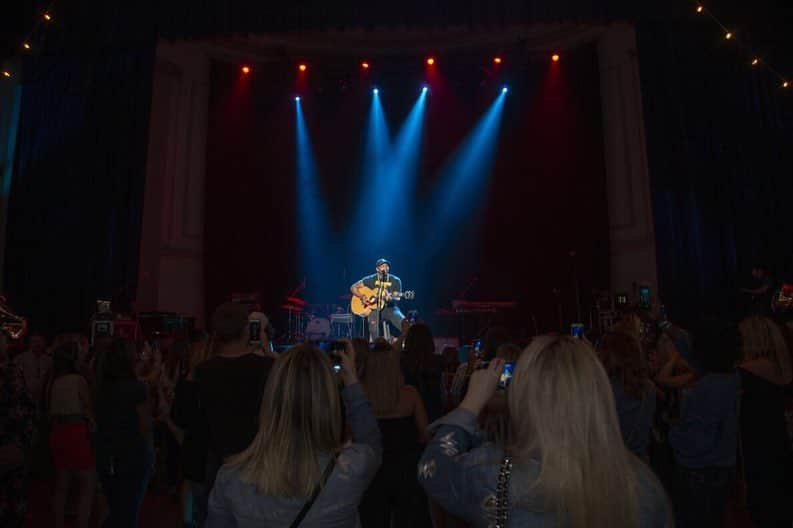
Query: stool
{"points": [[343, 324]]}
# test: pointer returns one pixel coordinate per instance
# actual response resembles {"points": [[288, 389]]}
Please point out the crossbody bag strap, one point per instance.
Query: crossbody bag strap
{"points": [[315, 493], [502, 493]]}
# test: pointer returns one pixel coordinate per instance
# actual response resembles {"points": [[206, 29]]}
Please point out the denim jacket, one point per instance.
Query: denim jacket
{"points": [[460, 474], [707, 433], [235, 503]]}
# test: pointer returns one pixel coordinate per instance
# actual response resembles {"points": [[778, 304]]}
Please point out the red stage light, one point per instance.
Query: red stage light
{"points": [[497, 60], [246, 70], [365, 65], [555, 57], [430, 61], [302, 67]]}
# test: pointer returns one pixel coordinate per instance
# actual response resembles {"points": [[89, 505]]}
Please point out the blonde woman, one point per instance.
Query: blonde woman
{"points": [[765, 370], [402, 419], [297, 464], [565, 463]]}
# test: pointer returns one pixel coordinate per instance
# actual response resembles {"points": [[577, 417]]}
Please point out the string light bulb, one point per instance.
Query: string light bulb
{"points": [[365, 65], [555, 57], [755, 61], [302, 67], [430, 61], [26, 46], [728, 35], [497, 60], [47, 16], [6, 74], [700, 8], [786, 84]]}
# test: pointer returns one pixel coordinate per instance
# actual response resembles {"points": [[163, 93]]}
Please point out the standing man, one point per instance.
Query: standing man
{"points": [[387, 288], [230, 387]]}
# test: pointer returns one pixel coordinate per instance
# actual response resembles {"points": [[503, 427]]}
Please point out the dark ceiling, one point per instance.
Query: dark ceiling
{"points": [[762, 25]]}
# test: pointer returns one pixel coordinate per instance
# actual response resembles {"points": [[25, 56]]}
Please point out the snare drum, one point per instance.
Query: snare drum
{"points": [[318, 329]]}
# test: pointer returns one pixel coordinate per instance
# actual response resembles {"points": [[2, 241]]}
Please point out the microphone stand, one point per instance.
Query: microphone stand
{"points": [[380, 292]]}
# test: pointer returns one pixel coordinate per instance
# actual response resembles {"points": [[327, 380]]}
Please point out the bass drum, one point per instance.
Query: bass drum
{"points": [[318, 329]]}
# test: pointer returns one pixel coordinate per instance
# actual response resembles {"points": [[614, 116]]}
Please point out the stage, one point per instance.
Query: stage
{"points": [[521, 181]]}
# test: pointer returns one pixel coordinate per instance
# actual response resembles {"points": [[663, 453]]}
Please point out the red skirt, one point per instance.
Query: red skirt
{"points": [[70, 445]]}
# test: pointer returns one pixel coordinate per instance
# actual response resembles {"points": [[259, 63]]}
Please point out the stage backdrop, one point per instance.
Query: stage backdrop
{"points": [[510, 209], [721, 166]]}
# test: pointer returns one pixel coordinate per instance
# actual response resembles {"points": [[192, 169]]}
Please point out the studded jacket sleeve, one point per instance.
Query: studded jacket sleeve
{"points": [[445, 468]]}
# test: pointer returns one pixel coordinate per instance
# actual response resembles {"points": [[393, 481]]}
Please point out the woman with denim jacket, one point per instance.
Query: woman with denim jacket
{"points": [[565, 463], [299, 443]]}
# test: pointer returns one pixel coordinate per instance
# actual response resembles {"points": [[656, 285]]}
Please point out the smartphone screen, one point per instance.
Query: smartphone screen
{"points": [[506, 375], [335, 361], [644, 297], [254, 329]]}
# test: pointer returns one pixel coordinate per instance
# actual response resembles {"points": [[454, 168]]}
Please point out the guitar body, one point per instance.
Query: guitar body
{"points": [[363, 309]]}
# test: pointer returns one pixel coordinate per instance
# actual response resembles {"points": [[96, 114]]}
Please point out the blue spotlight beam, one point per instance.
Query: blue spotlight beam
{"points": [[379, 138], [405, 154], [377, 146], [399, 174], [464, 177], [315, 240]]}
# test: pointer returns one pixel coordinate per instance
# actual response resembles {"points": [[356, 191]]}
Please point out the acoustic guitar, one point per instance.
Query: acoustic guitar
{"points": [[363, 309]]}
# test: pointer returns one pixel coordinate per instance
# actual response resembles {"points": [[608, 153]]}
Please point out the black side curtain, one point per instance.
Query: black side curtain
{"points": [[77, 190], [721, 166]]}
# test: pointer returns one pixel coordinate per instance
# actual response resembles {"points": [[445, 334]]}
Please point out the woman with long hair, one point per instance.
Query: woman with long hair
{"points": [[765, 370], [186, 414], [71, 413], [634, 393], [394, 492], [125, 451], [423, 368], [298, 470], [565, 463]]}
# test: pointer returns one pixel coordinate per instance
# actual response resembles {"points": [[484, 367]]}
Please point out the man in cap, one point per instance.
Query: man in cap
{"points": [[387, 288]]}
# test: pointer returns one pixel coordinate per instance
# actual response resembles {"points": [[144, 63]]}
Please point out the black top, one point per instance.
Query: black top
{"points": [[230, 389], [399, 436], [391, 285], [763, 427], [118, 425], [187, 413]]}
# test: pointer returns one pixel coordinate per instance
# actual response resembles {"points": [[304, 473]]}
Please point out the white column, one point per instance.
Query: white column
{"points": [[631, 232], [171, 276]]}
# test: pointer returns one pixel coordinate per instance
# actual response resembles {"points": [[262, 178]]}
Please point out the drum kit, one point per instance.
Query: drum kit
{"points": [[317, 322]]}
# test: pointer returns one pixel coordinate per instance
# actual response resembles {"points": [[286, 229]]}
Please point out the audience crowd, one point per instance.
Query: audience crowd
{"points": [[648, 424]]}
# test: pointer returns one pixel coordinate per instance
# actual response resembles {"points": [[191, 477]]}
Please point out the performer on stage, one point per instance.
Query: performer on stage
{"points": [[385, 286]]}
